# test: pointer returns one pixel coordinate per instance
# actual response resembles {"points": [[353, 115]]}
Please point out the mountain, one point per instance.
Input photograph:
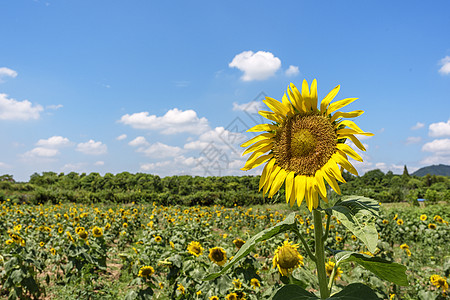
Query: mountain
{"points": [[442, 170]]}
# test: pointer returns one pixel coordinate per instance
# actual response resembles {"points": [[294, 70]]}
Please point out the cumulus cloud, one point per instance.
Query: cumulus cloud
{"points": [[292, 71], [41, 152], [256, 66], [413, 140], [121, 137], [139, 141], [7, 72], [92, 147], [439, 129], [251, 107], [418, 126], [440, 147], [54, 106], [219, 138], [11, 109], [445, 65], [160, 150], [54, 142], [99, 163], [174, 121]]}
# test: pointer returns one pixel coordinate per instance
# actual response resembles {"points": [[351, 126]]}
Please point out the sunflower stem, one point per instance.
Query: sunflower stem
{"points": [[305, 245], [320, 254]]}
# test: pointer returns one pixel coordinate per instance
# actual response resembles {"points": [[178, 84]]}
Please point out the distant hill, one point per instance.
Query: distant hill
{"points": [[442, 170]]}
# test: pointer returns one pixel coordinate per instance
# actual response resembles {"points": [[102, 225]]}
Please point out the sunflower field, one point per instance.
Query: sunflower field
{"points": [[150, 251]]}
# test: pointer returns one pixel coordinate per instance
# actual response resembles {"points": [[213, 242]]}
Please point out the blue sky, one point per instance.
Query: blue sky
{"points": [[168, 87]]}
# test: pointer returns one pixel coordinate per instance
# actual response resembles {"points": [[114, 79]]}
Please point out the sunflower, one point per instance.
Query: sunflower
{"points": [[432, 226], [195, 248], [231, 296], [237, 283], [181, 288], [329, 266], [213, 298], [404, 246], [97, 231], [238, 243], [305, 145], [53, 251], [423, 217], [158, 239], [439, 282], [400, 222], [146, 271], [287, 258], [218, 255], [254, 282]]}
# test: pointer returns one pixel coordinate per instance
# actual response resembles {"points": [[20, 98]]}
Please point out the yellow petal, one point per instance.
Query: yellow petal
{"points": [[313, 95], [255, 159], [333, 167], [276, 106], [292, 196], [328, 98], [309, 192], [289, 185], [278, 182], [271, 116], [349, 151], [296, 97], [342, 160], [354, 140], [305, 95], [270, 180], [263, 127], [352, 114], [331, 181], [315, 197], [320, 184], [262, 136], [339, 104], [350, 124], [258, 145], [351, 131], [266, 173], [300, 185], [288, 104]]}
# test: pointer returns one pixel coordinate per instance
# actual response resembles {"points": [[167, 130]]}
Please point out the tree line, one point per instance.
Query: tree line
{"points": [[126, 187]]}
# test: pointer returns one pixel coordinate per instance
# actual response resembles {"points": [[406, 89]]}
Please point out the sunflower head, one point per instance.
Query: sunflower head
{"points": [[287, 258], [146, 271], [329, 266], [423, 217], [238, 243], [97, 231], [195, 248], [305, 144], [254, 282], [218, 255], [432, 226]]}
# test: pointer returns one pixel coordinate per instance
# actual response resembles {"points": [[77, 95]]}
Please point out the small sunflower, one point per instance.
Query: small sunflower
{"points": [[158, 239], [146, 271], [400, 222], [439, 282], [41, 244], [195, 248], [305, 145], [287, 258], [232, 296], [404, 246], [385, 221], [254, 282], [438, 219], [181, 288], [97, 231], [213, 298], [329, 266], [423, 217], [238, 243], [432, 226], [218, 255]]}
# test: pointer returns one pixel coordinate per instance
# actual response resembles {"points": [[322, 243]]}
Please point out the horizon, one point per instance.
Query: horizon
{"points": [[168, 89]]}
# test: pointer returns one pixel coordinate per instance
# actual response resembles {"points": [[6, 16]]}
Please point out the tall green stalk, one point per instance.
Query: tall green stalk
{"points": [[320, 254]]}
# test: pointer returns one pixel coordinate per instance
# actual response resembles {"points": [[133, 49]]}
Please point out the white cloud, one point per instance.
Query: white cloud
{"points": [[41, 152], [92, 148], [99, 163], [219, 138], [54, 142], [160, 150], [7, 72], [121, 137], [54, 106], [440, 147], [413, 140], [73, 167], [11, 109], [445, 63], [418, 126], [139, 141], [251, 107], [439, 129], [292, 71], [256, 66], [174, 121], [4, 165]]}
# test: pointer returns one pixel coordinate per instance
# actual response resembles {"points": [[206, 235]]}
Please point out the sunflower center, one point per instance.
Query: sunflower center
{"points": [[305, 143], [288, 257], [302, 143], [217, 255]]}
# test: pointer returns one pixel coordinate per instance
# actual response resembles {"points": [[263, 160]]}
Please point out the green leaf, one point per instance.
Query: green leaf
{"points": [[384, 269], [358, 215], [355, 291], [266, 234], [293, 292]]}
